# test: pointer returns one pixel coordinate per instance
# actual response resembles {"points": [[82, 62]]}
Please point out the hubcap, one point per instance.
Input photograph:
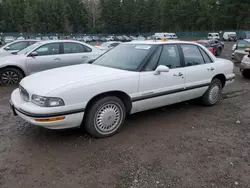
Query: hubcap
{"points": [[10, 77], [108, 118], [214, 94]]}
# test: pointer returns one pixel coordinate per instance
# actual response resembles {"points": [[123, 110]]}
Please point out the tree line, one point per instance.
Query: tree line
{"points": [[123, 16]]}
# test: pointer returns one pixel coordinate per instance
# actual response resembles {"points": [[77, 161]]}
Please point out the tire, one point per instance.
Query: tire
{"points": [[10, 76], [212, 95], [218, 52], [107, 109], [246, 73]]}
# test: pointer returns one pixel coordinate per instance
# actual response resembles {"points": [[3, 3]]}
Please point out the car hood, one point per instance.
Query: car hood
{"points": [[45, 82]]}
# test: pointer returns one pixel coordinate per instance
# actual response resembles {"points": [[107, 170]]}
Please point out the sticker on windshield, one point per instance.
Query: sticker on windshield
{"points": [[143, 47]]}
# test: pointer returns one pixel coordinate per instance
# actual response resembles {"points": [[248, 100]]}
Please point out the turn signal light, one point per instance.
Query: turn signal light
{"points": [[50, 119]]}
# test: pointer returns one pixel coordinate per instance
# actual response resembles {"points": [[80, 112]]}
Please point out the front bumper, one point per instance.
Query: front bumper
{"points": [[67, 119]]}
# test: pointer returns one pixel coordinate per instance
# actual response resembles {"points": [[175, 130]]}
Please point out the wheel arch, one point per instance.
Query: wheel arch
{"points": [[222, 78], [124, 97], [14, 67]]}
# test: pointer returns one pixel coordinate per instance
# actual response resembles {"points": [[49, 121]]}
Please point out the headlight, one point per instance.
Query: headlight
{"points": [[47, 101]]}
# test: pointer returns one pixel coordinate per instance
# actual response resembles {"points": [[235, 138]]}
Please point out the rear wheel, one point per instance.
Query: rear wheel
{"points": [[212, 95], [10, 76], [105, 117], [246, 73], [218, 52]]}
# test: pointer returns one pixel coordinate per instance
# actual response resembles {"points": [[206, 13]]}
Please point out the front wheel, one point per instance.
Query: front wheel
{"points": [[212, 95], [10, 76], [105, 117]]}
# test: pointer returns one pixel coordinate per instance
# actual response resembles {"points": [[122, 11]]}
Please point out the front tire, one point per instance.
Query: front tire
{"points": [[105, 117], [10, 76], [212, 95]]}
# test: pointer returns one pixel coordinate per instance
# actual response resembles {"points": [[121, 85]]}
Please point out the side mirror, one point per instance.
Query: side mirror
{"points": [[91, 61], [33, 54], [161, 68], [7, 48]]}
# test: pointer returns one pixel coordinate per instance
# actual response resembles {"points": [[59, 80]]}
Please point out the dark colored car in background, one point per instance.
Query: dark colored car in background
{"points": [[214, 46]]}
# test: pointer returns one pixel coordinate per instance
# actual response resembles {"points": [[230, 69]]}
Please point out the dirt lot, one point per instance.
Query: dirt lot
{"points": [[180, 146]]}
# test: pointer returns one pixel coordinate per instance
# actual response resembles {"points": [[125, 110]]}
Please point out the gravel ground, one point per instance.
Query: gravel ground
{"points": [[179, 146]]}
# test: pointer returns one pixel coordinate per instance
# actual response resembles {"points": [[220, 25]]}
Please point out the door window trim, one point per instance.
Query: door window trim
{"points": [[201, 50], [184, 65], [157, 64], [84, 46], [60, 52]]}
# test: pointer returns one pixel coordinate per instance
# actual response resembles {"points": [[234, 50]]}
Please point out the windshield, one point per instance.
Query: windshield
{"points": [[125, 56], [29, 48], [232, 35]]}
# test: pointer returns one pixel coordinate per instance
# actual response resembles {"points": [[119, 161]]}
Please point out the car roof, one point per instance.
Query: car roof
{"points": [[52, 41], [158, 42], [248, 40]]}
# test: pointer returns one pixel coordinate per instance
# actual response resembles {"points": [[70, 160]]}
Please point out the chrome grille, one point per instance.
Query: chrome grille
{"points": [[24, 94]]}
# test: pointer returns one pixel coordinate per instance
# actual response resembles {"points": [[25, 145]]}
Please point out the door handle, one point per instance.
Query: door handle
{"points": [[179, 74], [211, 69], [84, 57], [57, 59]]}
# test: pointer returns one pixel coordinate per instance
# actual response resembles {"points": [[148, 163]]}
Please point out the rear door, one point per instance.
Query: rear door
{"points": [[48, 57], [75, 53], [199, 71]]}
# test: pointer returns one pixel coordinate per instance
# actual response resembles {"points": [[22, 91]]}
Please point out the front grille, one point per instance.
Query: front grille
{"points": [[24, 94]]}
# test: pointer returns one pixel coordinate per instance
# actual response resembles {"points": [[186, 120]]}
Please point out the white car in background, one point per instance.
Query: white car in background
{"points": [[240, 48], [211, 36], [15, 46], [44, 55], [9, 39], [130, 78], [108, 45]]}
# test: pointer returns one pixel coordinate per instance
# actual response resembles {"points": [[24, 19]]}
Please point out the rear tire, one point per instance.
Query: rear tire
{"points": [[105, 117], [10, 76], [246, 73], [218, 52], [212, 95]]}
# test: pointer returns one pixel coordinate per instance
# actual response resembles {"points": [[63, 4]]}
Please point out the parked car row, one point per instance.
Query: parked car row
{"points": [[43, 55], [98, 95]]}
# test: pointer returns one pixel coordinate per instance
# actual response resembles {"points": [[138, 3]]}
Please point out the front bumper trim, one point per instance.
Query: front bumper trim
{"points": [[32, 115]]}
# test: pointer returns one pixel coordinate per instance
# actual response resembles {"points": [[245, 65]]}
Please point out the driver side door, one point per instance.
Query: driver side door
{"points": [[165, 88], [48, 57]]}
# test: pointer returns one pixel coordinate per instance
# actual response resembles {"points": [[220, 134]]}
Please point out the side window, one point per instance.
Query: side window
{"points": [[205, 56], [152, 63], [48, 49], [71, 48], [31, 42], [192, 55], [17, 46], [170, 57], [243, 44]]}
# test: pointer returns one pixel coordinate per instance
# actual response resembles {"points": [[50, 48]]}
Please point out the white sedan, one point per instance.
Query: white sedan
{"points": [[131, 78]]}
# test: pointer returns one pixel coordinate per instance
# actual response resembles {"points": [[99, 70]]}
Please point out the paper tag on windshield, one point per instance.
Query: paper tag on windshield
{"points": [[143, 47]]}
